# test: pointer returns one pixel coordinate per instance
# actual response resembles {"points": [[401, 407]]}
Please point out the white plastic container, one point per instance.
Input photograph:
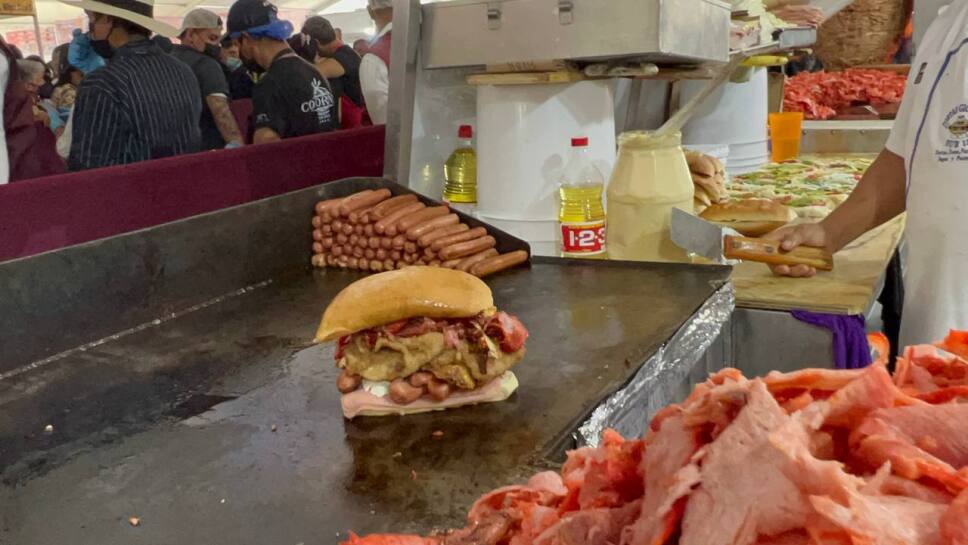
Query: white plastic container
{"points": [[733, 115], [542, 235], [523, 135]]}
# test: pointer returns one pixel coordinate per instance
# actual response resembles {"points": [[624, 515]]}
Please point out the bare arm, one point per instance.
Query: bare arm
{"points": [[879, 196], [330, 68], [265, 135], [224, 120]]}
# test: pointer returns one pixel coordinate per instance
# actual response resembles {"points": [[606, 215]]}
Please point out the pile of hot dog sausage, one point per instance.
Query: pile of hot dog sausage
{"points": [[374, 231]]}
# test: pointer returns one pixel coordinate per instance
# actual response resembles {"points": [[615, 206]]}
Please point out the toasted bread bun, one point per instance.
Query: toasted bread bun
{"points": [[753, 228], [701, 164], [380, 299], [750, 210], [701, 196]]}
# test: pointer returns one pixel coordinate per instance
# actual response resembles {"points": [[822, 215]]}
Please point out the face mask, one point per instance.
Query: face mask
{"points": [[213, 51], [253, 66], [101, 47], [233, 63]]}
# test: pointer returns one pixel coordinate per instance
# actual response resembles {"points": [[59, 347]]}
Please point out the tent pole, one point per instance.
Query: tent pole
{"points": [[40, 44]]}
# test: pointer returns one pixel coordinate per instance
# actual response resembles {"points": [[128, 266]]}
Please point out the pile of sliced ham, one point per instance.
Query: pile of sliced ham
{"points": [[813, 457], [819, 95]]}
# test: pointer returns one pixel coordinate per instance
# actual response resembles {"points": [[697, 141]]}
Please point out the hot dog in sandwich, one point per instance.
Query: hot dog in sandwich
{"points": [[421, 339]]}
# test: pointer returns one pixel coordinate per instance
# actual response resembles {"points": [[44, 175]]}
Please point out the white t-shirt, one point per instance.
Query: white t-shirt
{"points": [[931, 134], [375, 82]]}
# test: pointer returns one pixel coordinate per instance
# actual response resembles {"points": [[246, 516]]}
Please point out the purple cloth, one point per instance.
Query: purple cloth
{"points": [[851, 350]]}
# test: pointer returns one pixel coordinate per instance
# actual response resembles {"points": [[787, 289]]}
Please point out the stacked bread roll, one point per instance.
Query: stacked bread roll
{"points": [[374, 231], [709, 179]]}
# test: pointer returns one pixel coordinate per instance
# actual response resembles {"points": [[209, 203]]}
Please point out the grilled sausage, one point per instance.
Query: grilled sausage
{"points": [[376, 265], [468, 262], [396, 255], [381, 226], [398, 242], [318, 260], [317, 222], [427, 239], [373, 242], [381, 210], [434, 262], [337, 250], [357, 251], [327, 229], [430, 225], [386, 243], [370, 254], [331, 260], [364, 264], [360, 215], [450, 240], [495, 264], [337, 226], [361, 200], [410, 247], [381, 254], [420, 379], [429, 253], [451, 263], [463, 249], [317, 235], [318, 247], [358, 229], [330, 207], [403, 393], [388, 264], [327, 242], [348, 229], [438, 389], [368, 230], [354, 263]]}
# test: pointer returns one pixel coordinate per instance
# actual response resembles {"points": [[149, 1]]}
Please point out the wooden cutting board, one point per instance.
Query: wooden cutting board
{"points": [[848, 289]]}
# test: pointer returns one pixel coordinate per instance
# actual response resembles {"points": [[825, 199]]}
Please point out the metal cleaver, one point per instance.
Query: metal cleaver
{"points": [[720, 244]]}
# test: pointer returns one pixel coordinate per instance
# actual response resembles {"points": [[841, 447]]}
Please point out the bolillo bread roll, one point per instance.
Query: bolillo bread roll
{"points": [[750, 217]]}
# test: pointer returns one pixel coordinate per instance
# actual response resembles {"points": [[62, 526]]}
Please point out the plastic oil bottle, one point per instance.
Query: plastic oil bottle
{"points": [[580, 212], [460, 172]]}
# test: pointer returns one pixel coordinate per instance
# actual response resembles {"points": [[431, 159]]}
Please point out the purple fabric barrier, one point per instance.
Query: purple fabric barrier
{"points": [[851, 350]]}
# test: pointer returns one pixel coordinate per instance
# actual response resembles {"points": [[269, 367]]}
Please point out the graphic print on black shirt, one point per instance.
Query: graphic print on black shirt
{"points": [[293, 99]]}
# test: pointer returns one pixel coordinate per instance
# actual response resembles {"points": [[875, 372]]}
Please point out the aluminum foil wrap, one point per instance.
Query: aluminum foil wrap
{"points": [[667, 376]]}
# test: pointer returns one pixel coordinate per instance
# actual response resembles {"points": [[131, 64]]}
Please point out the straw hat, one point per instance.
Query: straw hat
{"points": [[139, 12]]}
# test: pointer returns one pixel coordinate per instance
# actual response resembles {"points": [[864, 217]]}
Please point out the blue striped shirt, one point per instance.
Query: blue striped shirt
{"points": [[144, 104]]}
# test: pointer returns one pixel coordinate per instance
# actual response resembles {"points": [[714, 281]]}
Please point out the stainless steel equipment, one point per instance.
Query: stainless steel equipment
{"points": [[509, 31]]}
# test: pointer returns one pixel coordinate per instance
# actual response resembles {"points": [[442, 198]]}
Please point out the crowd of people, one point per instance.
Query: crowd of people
{"points": [[121, 92]]}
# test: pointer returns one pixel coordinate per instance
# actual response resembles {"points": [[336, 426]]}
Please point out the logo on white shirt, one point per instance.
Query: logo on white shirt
{"points": [[955, 125]]}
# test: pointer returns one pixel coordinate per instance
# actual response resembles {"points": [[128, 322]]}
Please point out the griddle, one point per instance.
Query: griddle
{"points": [[175, 367]]}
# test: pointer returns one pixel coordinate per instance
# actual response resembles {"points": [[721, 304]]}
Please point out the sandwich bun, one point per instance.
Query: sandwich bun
{"points": [[750, 217], [379, 299]]}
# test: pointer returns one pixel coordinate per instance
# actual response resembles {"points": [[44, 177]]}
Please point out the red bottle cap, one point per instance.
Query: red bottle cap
{"points": [[466, 132], [579, 142]]}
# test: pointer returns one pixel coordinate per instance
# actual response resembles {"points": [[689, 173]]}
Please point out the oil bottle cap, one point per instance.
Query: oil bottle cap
{"points": [[579, 142], [465, 131]]}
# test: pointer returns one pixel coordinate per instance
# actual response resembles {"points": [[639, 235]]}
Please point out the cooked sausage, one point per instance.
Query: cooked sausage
{"points": [[421, 379], [420, 261], [398, 242], [388, 264], [494, 264], [434, 262], [343, 261], [381, 254], [410, 247], [376, 265], [402, 265], [417, 218], [409, 258], [451, 263], [370, 254], [337, 226], [374, 242], [381, 226], [361, 200], [318, 260], [463, 249], [429, 253], [327, 242], [386, 243], [343, 239], [337, 250], [368, 230], [469, 261], [318, 247], [403, 393], [441, 232], [438, 389], [357, 251], [360, 216], [396, 255], [328, 206], [364, 264], [354, 263], [317, 235], [430, 225], [331, 260], [327, 229], [450, 240], [317, 222], [348, 229], [358, 229], [386, 207]]}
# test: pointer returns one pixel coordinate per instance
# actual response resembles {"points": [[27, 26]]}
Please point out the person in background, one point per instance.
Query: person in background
{"points": [[48, 87], [375, 66], [292, 98], [32, 74], [361, 46], [65, 92], [144, 104], [200, 50], [340, 64], [80, 55]]}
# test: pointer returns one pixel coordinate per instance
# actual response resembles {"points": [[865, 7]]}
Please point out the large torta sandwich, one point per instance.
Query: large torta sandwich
{"points": [[421, 339]]}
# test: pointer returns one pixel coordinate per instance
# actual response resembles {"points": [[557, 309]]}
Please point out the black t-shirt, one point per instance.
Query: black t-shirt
{"points": [[211, 81], [349, 83], [294, 99]]}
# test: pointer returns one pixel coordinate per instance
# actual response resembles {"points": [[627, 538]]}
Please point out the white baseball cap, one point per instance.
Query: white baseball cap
{"points": [[379, 4], [200, 18]]}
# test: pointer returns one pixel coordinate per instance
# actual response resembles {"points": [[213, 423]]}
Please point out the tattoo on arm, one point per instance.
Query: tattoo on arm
{"points": [[224, 120]]}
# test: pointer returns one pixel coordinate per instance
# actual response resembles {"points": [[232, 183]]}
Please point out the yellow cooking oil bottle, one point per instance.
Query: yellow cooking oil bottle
{"points": [[460, 171], [580, 212]]}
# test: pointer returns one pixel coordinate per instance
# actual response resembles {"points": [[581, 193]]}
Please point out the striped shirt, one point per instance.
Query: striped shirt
{"points": [[143, 105]]}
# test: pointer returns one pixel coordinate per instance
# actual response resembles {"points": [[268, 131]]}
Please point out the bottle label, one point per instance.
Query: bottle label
{"points": [[585, 238]]}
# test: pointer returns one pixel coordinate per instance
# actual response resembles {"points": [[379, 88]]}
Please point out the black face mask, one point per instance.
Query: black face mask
{"points": [[213, 51], [102, 47], [253, 66]]}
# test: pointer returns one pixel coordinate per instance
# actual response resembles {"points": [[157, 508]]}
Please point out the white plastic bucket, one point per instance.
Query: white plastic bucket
{"points": [[542, 235], [523, 136], [733, 115]]}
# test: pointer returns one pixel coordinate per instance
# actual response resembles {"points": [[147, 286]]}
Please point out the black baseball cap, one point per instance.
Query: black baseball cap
{"points": [[251, 15]]}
